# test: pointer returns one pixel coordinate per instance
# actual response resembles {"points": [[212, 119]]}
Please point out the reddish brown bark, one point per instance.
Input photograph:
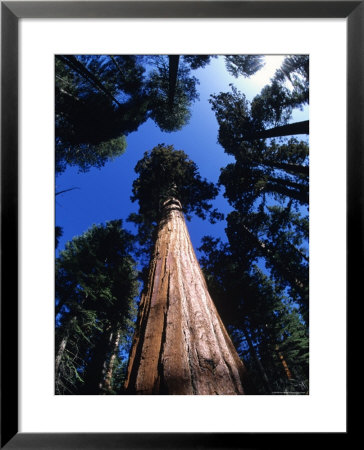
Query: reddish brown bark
{"points": [[180, 345]]}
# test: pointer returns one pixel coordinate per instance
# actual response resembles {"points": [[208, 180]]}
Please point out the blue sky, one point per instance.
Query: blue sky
{"points": [[104, 194]]}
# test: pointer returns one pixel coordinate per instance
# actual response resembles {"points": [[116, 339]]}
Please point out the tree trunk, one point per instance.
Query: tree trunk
{"points": [[73, 62], [180, 345], [283, 130], [61, 349], [109, 364], [296, 169], [172, 74], [284, 363]]}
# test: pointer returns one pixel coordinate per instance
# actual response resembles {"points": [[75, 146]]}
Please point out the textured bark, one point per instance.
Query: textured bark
{"points": [[180, 345]]}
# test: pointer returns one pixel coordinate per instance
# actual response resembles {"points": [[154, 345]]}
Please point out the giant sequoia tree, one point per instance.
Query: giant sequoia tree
{"points": [[258, 279], [181, 345]]}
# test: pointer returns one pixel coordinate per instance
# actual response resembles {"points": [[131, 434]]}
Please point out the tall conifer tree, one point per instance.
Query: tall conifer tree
{"points": [[180, 345], [96, 286]]}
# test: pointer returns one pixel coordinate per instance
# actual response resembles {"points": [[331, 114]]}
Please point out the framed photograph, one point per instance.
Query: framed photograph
{"points": [[87, 57]]}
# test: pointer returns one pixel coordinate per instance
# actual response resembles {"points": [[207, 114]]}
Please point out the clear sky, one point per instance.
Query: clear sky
{"points": [[104, 194]]}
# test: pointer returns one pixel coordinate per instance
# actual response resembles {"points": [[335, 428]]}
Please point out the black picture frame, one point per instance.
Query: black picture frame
{"points": [[11, 12]]}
